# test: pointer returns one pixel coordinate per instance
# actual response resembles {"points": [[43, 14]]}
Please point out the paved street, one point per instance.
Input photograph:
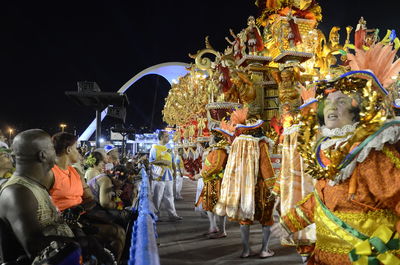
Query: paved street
{"points": [[183, 243]]}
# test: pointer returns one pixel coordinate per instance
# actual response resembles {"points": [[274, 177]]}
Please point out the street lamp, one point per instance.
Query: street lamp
{"points": [[62, 126], [10, 132]]}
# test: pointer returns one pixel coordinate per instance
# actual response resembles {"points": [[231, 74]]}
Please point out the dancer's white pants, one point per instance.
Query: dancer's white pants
{"points": [[163, 192], [178, 186]]}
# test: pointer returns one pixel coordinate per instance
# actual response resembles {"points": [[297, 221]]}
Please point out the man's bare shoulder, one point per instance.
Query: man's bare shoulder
{"points": [[16, 197]]}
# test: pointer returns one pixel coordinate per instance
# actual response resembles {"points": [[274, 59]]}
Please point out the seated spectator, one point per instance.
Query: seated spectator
{"points": [[95, 163], [68, 192], [130, 167], [143, 162], [26, 208], [123, 183], [112, 157], [114, 193], [134, 180], [6, 166], [79, 166], [29, 220]]}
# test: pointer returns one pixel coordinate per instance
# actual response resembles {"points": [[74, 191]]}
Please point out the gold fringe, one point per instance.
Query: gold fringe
{"points": [[294, 221]]}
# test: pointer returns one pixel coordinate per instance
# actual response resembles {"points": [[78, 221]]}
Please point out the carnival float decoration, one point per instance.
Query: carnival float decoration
{"points": [[271, 66]]}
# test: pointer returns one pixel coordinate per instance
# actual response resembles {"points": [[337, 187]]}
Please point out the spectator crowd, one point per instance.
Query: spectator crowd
{"points": [[57, 195]]}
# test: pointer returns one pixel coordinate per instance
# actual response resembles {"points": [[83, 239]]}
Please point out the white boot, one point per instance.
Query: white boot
{"points": [[265, 251], [221, 220], [213, 225], [245, 234]]}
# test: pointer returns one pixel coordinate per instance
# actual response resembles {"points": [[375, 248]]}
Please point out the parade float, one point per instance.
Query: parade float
{"points": [[264, 67], [271, 67]]}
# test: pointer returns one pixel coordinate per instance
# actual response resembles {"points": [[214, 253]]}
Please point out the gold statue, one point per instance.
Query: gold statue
{"points": [[186, 133], [238, 45], [244, 86], [325, 52], [288, 80], [253, 37], [177, 136], [192, 131], [269, 35], [201, 125], [334, 38]]}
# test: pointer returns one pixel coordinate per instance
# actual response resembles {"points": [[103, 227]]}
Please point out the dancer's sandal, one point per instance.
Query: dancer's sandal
{"points": [[266, 254], [210, 233], [247, 255], [217, 235]]}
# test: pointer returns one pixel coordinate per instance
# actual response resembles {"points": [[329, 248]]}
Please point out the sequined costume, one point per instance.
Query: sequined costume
{"points": [[245, 193], [360, 208], [212, 173], [292, 185]]}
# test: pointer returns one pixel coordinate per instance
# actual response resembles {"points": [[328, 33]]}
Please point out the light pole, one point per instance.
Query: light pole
{"points": [[10, 132], [62, 125]]}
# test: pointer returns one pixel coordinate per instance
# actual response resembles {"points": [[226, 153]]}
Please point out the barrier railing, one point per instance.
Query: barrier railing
{"points": [[143, 250]]}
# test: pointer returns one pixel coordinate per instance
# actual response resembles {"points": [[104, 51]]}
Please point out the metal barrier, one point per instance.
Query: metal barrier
{"points": [[143, 248]]}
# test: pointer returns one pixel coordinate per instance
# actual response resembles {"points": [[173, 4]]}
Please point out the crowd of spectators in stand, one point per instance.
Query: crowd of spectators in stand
{"points": [[92, 193]]}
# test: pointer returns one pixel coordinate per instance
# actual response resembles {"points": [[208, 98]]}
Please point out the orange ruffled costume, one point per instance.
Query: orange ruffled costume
{"points": [[248, 179], [212, 173], [377, 198]]}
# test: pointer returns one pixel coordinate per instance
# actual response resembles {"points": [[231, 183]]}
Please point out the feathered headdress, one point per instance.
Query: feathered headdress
{"points": [[375, 67], [239, 116], [379, 60], [239, 123], [227, 126], [370, 78]]}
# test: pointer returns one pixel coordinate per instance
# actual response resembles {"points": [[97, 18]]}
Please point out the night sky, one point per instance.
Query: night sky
{"points": [[46, 48]]}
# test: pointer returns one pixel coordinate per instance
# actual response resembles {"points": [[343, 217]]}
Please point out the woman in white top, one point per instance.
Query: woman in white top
{"points": [[95, 161]]}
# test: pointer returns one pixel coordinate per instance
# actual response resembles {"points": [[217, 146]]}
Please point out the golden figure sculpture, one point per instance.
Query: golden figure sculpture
{"points": [[254, 41], [325, 52], [287, 81], [238, 44]]}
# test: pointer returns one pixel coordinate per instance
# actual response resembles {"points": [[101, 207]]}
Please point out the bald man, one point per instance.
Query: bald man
{"points": [[26, 208], [28, 217]]}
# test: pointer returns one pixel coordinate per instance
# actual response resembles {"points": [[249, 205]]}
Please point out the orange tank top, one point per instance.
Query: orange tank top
{"points": [[67, 190]]}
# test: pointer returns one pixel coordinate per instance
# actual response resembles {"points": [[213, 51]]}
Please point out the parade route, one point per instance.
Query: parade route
{"points": [[183, 243]]}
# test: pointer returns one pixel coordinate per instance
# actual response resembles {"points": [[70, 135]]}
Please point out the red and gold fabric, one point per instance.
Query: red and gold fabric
{"points": [[248, 179], [265, 181], [374, 209], [212, 173], [294, 184]]}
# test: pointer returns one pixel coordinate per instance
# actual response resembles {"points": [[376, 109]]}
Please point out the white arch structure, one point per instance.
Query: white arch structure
{"points": [[170, 71]]}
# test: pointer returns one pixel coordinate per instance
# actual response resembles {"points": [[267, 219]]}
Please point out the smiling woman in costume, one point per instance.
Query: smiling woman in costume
{"points": [[356, 202]]}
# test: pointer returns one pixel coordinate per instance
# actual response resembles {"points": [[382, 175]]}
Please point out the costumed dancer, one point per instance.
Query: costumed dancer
{"points": [[356, 202], [200, 157], [179, 173], [293, 183], [163, 171], [212, 173], [248, 178]]}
